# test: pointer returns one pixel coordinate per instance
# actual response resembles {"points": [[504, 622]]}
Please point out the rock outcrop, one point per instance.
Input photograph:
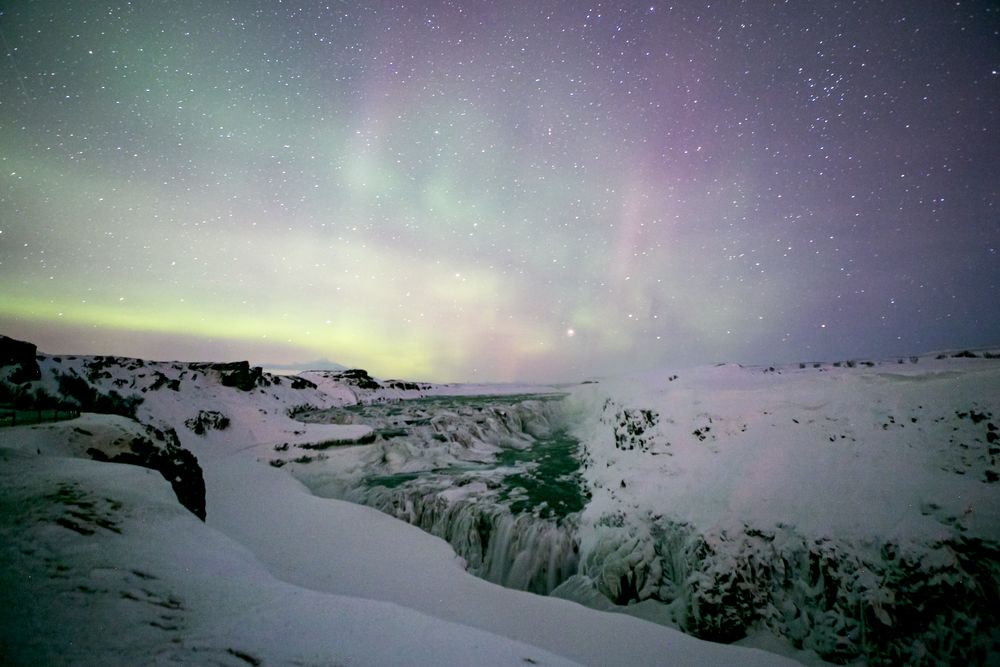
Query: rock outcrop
{"points": [[19, 356], [161, 451], [238, 374]]}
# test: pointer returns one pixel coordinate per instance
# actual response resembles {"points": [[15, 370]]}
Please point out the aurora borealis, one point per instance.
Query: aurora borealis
{"points": [[500, 191]]}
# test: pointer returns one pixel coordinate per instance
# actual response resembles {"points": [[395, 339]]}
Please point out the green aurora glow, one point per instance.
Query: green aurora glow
{"points": [[447, 191]]}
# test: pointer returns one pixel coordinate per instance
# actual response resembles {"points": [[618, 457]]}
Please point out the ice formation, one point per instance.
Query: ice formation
{"points": [[464, 470]]}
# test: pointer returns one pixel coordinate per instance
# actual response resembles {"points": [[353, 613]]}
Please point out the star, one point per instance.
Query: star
{"points": [[427, 191]]}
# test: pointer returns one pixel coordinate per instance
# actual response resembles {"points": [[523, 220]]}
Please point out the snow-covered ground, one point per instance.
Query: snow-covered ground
{"points": [[101, 565], [846, 451], [847, 510], [853, 509]]}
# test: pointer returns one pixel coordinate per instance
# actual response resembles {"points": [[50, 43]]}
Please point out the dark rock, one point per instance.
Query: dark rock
{"points": [[237, 374], [366, 439], [177, 465], [976, 417], [632, 428], [76, 391], [406, 386], [21, 355], [301, 383], [207, 419], [163, 381], [627, 589], [357, 377]]}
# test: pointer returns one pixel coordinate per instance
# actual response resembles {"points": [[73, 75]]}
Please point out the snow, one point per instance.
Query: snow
{"points": [[158, 586], [328, 545], [101, 565], [843, 510], [72, 438], [823, 502], [832, 451]]}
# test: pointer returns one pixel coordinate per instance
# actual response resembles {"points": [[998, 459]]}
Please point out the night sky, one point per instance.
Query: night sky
{"points": [[498, 191]]}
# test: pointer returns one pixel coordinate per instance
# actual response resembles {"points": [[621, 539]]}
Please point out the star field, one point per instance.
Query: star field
{"points": [[500, 191]]}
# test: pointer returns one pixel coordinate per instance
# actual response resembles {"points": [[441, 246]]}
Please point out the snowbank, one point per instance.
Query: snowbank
{"points": [[100, 566]]}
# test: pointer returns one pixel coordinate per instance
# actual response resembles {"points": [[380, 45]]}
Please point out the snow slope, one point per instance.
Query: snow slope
{"points": [[102, 566], [835, 450]]}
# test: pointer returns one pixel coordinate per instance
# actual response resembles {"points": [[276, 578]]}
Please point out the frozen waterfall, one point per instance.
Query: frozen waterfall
{"points": [[496, 477]]}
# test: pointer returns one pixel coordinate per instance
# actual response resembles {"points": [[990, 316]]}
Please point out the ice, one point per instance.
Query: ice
{"points": [[517, 551], [467, 470]]}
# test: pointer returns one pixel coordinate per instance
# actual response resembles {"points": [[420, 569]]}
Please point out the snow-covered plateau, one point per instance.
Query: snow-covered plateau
{"points": [[846, 512]]}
